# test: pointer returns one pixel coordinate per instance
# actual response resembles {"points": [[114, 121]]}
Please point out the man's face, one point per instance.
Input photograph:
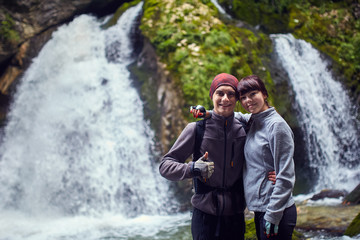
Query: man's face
{"points": [[224, 99]]}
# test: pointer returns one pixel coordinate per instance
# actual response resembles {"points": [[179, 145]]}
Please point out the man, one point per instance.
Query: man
{"points": [[216, 168]]}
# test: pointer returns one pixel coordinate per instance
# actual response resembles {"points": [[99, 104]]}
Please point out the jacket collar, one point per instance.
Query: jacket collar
{"points": [[221, 119], [263, 114]]}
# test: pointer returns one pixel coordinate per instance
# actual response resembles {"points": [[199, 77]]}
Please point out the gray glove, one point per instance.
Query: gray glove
{"points": [[205, 168]]}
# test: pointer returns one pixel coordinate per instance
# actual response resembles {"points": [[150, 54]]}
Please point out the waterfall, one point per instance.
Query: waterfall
{"points": [[76, 140], [220, 9], [76, 144], [217, 5], [325, 112]]}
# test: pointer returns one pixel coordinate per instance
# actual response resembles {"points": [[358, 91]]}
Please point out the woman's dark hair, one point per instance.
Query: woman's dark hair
{"points": [[251, 83]]}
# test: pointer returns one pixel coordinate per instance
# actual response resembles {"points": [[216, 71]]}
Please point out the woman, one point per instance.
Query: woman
{"points": [[269, 146], [219, 198]]}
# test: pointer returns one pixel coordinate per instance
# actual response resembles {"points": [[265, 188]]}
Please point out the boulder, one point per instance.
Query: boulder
{"points": [[328, 193], [353, 197], [333, 219], [354, 227]]}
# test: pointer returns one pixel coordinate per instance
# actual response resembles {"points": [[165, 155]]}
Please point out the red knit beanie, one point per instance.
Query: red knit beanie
{"points": [[223, 79]]}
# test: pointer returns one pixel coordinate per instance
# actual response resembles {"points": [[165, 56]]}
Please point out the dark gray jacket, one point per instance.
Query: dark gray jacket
{"points": [[224, 140]]}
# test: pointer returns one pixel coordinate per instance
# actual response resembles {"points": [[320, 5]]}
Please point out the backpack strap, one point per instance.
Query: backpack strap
{"points": [[199, 186], [199, 135]]}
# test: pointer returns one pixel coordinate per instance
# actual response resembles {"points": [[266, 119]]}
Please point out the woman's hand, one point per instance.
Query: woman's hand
{"points": [[272, 177], [270, 229]]}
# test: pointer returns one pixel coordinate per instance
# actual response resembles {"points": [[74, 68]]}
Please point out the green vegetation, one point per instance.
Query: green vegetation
{"points": [[8, 34], [250, 233], [196, 46], [354, 227], [333, 27], [270, 15], [196, 43]]}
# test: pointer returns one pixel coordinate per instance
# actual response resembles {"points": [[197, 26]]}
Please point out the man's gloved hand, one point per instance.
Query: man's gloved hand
{"points": [[198, 111], [203, 168], [270, 229]]}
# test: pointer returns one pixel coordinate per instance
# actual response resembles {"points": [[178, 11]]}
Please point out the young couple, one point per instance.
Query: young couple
{"points": [[232, 165]]}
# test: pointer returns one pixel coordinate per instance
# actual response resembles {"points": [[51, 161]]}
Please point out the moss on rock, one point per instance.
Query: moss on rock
{"points": [[8, 34], [354, 227], [197, 45]]}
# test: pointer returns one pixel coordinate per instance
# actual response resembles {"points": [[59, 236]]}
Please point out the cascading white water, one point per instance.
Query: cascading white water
{"points": [[76, 144], [326, 114], [221, 10]]}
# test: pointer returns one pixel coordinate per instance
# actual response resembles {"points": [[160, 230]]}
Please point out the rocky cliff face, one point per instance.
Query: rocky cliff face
{"points": [[162, 99], [26, 25], [21, 20]]}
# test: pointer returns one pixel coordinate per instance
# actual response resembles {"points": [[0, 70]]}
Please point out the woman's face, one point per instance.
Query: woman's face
{"points": [[224, 99], [254, 101]]}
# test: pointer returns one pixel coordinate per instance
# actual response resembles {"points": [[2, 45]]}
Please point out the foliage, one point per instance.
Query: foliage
{"points": [[197, 45], [8, 34], [270, 15], [331, 26], [354, 227], [250, 233]]}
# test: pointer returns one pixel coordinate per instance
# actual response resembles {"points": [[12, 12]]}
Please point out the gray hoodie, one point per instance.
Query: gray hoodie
{"points": [[224, 140], [269, 146]]}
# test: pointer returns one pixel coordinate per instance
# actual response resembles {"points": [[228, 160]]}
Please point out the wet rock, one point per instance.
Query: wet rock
{"points": [[161, 96], [354, 227], [329, 193], [334, 219], [353, 197]]}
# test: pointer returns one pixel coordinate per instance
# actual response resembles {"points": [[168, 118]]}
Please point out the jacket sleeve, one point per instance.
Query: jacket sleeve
{"points": [[282, 147], [172, 165], [243, 117]]}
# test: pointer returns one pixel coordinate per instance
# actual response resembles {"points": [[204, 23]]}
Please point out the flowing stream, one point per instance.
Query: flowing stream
{"points": [[76, 157], [326, 114]]}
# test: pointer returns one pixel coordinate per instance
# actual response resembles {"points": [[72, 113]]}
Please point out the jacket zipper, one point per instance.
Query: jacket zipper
{"points": [[224, 167]]}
